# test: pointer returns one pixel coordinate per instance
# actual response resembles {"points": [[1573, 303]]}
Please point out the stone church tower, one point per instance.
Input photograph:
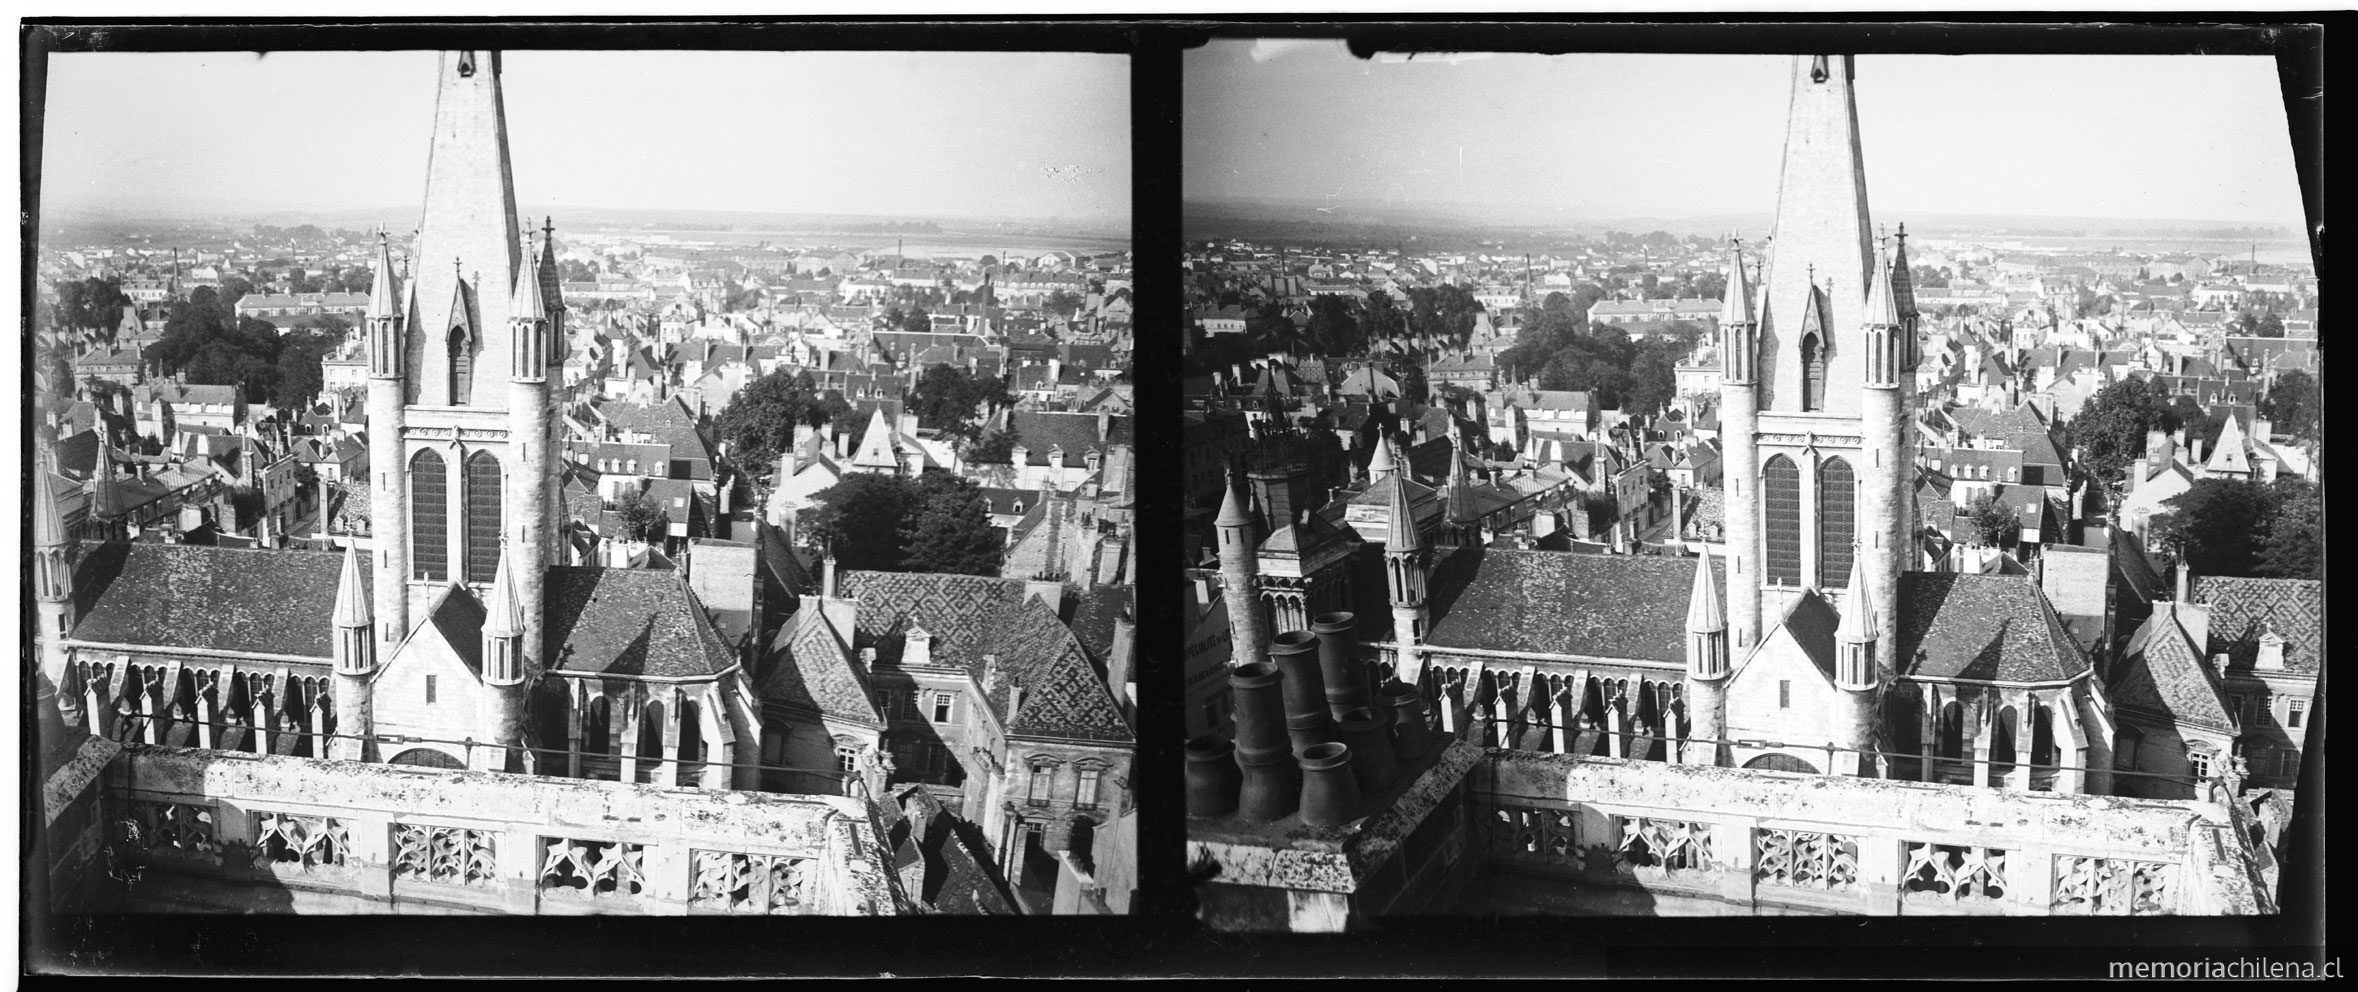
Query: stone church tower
{"points": [[462, 431], [1820, 353]]}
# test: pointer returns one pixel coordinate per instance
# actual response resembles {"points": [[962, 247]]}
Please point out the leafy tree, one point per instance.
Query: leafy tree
{"points": [[860, 521], [994, 448], [1379, 320], [1334, 327], [643, 519], [2110, 430], [57, 365], [2217, 526], [1062, 301], [2295, 545], [92, 304], [356, 279], [948, 528], [2261, 324], [2291, 405], [916, 321], [1990, 522], [1653, 376], [299, 377], [948, 398], [2201, 425], [759, 422]]}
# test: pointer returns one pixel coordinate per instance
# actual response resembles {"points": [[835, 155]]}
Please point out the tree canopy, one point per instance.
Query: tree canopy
{"points": [[2245, 527], [951, 399], [91, 304], [936, 522], [2110, 430], [759, 422], [2291, 405]]}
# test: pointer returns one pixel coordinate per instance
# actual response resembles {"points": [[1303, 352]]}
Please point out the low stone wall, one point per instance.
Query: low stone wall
{"points": [[1768, 842], [227, 831]]}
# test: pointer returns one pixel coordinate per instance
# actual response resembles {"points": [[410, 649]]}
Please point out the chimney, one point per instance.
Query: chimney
{"points": [[827, 577], [1307, 720], [1014, 702], [1104, 425], [2185, 583], [1049, 591], [1271, 786], [1346, 677]]}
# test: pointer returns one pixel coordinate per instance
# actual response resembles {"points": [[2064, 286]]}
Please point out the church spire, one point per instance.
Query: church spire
{"points": [[469, 244]]}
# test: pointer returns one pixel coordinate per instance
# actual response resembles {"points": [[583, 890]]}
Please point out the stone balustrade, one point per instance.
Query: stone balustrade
{"points": [[215, 831], [1751, 842]]}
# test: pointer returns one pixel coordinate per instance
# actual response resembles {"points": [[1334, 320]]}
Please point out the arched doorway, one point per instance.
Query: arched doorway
{"points": [[1777, 762]]}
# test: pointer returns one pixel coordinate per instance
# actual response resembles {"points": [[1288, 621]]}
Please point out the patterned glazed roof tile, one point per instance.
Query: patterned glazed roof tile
{"points": [[1995, 627], [2241, 607], [208, 598], [2162, 674], [622, 621], [970, 616], [816, 672], [1606, 606]]}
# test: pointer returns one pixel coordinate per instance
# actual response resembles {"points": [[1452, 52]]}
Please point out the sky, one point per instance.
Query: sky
{"points": [[1027, 136], [1601, 136]]}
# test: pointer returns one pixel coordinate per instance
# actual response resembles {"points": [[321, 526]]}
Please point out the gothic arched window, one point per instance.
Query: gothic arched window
{"points": [[1781, 496], [1837, 520], [462, 368], [429, 517], [483, 504], [1813, 372]]}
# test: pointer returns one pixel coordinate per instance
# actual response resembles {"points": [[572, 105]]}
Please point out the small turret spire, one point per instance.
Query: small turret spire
{"points": [[352, 606], [1737, 309], [1401, 533], [503, 613], [524, 301], [383, 299], [1704, 615], [1380, 464], [1232, 510], [48, 526], [1882, 302], [1858, 613]]}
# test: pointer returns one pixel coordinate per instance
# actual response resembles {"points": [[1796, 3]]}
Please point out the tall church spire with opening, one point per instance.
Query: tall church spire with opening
{"points": [[469, 245]]}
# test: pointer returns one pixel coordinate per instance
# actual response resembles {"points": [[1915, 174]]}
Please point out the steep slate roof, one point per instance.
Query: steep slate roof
{"points": [[459, 617], [2294, 608], [1812, 622], [1606, 606], [970, 616], [1995, 627], [624, 621], [208, 598], [816, 672], [2161, 673]]}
